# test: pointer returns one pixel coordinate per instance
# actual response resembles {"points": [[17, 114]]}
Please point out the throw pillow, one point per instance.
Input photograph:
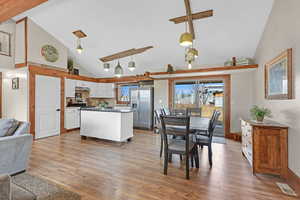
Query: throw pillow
{"points": [[13, 128], [22, 129], [5, 125]]}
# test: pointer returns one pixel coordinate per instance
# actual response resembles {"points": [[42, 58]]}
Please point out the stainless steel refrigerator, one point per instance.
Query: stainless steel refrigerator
{"points": [[141, 100]]}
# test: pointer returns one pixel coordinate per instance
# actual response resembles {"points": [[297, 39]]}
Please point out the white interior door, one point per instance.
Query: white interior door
{"points": [[47, 106]]}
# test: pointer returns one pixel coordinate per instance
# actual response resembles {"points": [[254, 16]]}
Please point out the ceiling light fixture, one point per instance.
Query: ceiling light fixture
{"points": [[79, 47], [131, 65], [118, 70], [190, 65], [106, 67], [193, 52], [186, 39]]}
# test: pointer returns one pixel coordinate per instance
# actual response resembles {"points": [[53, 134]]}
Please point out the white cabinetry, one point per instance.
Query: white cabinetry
{"points": [[70, 85], [72, 118], [106, 90]]}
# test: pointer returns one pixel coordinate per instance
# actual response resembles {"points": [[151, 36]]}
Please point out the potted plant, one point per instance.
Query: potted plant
{"points": [[259, 114]]}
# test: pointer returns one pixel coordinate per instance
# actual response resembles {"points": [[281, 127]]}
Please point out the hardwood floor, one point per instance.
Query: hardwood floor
{"points": [[100, 170]]}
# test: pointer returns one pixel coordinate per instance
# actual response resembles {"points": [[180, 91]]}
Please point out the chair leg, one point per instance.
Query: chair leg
{"points": [[201, 147], [166, 160], [210, 155], [180, 157], [161, 146], [187, 168], [170, 157], [196, 157], [192, 159]]}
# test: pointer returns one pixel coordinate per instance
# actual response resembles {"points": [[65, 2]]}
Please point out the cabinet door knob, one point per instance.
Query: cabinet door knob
{"points": [[57, 109]]}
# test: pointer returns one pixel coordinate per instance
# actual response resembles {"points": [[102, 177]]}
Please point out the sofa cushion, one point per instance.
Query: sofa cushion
{"points": [[5, 125], [13, 128], [22, 129]]}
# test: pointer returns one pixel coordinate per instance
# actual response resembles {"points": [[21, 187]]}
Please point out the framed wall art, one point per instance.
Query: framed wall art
{"points": [[278, 77], [15, 83], [5, 43]]}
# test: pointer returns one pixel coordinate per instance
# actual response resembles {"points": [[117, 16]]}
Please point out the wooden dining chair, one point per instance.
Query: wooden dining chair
{"points": [[178, 146], [166, 111], [158, 130], [206, 140], [194, 112]]}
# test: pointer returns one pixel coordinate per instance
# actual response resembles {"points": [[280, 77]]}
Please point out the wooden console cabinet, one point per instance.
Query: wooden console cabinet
{"points": [[265, 146]]}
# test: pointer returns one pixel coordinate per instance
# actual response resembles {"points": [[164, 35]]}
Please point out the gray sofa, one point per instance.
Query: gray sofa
{"points": [[11, 191], [15, 149]]}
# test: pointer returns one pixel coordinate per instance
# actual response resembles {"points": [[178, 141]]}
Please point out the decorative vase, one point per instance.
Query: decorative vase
{"points": [[260, 118]]}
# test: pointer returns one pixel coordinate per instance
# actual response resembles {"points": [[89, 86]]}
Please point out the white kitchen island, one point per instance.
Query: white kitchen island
{"points": [[107, 124]]}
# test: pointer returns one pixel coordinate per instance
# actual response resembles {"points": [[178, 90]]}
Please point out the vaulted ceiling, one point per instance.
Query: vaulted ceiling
{"points": [[116, 25]]}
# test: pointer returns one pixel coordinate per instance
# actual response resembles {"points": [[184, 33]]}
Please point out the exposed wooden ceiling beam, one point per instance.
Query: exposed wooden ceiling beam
{"points": [[124, 54], [11, 8], [79, 34], [189, 17], [195, 16]]}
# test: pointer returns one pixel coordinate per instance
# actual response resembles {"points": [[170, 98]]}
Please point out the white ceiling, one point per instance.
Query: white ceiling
{"points": [[117, 25]]}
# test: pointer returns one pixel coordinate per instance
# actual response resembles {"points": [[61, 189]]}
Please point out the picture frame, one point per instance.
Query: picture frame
{"points": [[278, 77], [15, 83], [5, 43]]}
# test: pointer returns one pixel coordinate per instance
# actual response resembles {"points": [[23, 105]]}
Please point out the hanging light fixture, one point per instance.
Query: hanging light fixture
{"points": [[190, 65], [79, 47], [193, 52], [118, 70], [186, 39], [131, 65], [106, 67]]}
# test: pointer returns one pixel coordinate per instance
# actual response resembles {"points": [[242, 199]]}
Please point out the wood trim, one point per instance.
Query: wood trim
{"points": [[62, 105], [79, 34], [235, 136], [226, 78], [126, 79], [20, 65], [11, 8], [293, 180], [287, 53], [59, 73], [32, 103], [210, 69], [195, 16], [124, 54]]}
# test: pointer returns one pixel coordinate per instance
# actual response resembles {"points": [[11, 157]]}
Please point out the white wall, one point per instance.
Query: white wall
{"points": [[37, 38], [161, 94], [7, 62], [282, 32], [242, 98], [15, 101]]}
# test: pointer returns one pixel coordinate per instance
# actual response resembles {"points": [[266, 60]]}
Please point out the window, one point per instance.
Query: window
{"points": [[123, 92]]}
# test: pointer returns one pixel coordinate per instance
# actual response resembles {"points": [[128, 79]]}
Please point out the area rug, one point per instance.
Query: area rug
{"points": [[43, 189]]}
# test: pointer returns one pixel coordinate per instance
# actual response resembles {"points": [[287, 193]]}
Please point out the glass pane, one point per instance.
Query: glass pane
{"points": [[184, 95], [124, 92]]}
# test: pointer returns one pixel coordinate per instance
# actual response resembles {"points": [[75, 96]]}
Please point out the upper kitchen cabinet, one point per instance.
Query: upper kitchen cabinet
{"points": [[70, 86], [106, 90], [93, 89]]}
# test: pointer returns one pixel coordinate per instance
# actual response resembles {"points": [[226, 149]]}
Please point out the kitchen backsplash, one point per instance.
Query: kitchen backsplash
{"points": [[97, 101]]}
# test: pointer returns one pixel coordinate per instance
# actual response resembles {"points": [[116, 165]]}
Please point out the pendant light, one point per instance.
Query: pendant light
{"points": [[190, 65], [193, 52], [118, 70], [79, 47], [106, 67], [186, 39], [131, 65]]}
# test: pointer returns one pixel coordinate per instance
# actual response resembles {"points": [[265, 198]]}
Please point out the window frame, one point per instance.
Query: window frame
{"points": [[118, 85]]}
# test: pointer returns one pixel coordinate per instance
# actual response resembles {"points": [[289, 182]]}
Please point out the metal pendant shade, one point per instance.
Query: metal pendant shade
{"points": [[131, 65], [118, 70], [106, 66], [186, 39]]}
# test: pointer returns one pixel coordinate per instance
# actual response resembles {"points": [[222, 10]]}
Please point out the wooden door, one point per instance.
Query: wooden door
{"points": [[47, 112]]}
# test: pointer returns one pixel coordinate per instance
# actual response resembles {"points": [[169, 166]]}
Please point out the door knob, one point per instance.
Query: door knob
{"points": [[57, 109]]}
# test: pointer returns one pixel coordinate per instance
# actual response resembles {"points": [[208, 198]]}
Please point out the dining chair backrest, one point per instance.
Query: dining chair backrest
{"points": [[157, 114], [177, 126], [213, 123], [179, 112], [165, 111], [196, 112]]}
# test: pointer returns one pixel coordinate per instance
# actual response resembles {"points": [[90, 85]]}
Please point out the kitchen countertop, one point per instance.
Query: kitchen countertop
{"points": [[107, 110]]}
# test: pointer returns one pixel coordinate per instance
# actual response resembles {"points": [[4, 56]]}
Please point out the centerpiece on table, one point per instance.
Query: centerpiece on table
{"points": [[259, 113]]}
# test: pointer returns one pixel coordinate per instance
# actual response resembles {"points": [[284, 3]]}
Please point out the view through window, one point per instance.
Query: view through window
{"points": [[124, 92], [208, 96]]}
